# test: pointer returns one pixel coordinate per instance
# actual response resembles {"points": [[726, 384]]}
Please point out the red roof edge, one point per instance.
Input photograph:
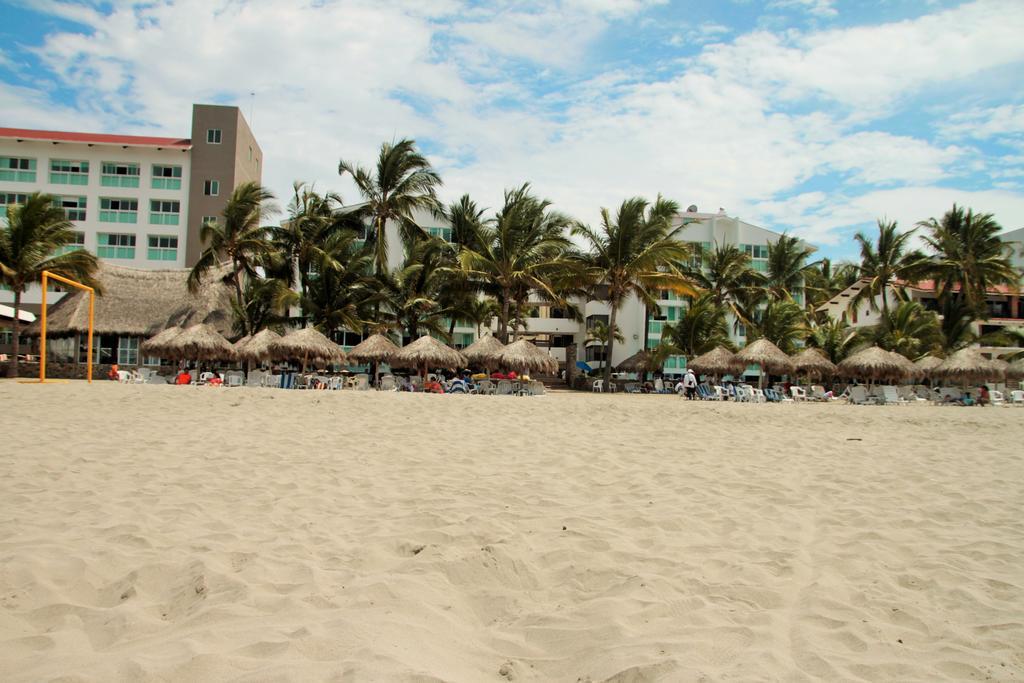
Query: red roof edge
{"points": [[94, 138]]}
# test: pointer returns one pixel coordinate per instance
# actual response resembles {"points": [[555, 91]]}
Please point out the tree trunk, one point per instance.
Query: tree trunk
{"points": [[503, 321], [610, 347], [647, 334], [12, 365], [238, 297]]}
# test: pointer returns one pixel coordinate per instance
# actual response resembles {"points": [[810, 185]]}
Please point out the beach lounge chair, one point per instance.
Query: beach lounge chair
{"points": [[387, 383], [537, 388], [798, 393], [504, 388], [891, 397], [124, 377], [859, 396], [632, 387], [1017, 397], [908, 394], [485, 386], [362, 382]]}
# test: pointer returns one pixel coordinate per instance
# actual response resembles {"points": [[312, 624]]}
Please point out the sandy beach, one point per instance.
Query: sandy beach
{"points": [[158, 533]]}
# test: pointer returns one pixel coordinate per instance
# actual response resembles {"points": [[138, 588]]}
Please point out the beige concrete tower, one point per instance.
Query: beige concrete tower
{"points": [[224, 155]]}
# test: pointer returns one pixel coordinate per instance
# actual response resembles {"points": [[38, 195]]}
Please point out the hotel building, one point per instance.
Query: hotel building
{"points": [[134, 201]]}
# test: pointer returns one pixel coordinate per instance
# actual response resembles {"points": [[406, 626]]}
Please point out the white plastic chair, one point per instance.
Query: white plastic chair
{"points": [[997, 398], [597, 386], [387, 383], [124, 377], [504, 388], [798, 393], [1017, 397]]}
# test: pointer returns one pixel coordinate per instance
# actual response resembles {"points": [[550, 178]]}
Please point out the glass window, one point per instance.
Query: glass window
{"points": [[18, 169], [9, 198], [209, 219], [213, 136], [65, 172], [162, 248], [443, 233], [164, 212], [127, 350], [115, 245], [211, 188], [119, 174], [74, 207], [119, 210], [77, 242], [166, 177]]}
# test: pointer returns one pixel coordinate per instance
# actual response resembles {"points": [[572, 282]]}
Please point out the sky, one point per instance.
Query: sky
{"points": [[815, 117]]}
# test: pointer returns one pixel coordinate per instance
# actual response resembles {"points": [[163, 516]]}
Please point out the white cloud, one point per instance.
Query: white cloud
{"points": [[984, 123], [818, 8]]}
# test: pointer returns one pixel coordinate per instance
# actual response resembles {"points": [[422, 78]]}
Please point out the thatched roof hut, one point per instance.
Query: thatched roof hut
{"points": [[256, 347], [1015, 369], [872, 363], [428, 352], [910, 369], [199, 342], [968, 365], [484, 350], [140, 303], [718, 361], [307, 344], [375, 348], [767, 355], [638, 362], [156, 345], [813, 362], [525, 356]]}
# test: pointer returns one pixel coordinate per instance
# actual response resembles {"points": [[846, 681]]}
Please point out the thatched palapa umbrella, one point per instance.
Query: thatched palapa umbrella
{"points": [[812, 362], [256, 347], [967, 365], [157, 344], [910, 370], [374, 349], [427, 351], [927, 364], [525, 356], [717, 362], [199, 342], [768, 357], [1015, 369], [484, 351], [307, 344], [872, 363], [638, 362]]}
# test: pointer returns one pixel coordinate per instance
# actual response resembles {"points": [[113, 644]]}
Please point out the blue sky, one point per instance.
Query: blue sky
{"points": [[812, 116]]}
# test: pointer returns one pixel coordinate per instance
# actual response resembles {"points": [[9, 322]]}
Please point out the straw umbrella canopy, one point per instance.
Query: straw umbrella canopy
{"points": [[927, 364], [256, 347], [427, 351], [1015, 370], [307, 344], [909, 368], [374, 349], [812, 361], [199, 342], [768, 357], [157, 344], [872, 363], [638, 362], [719, 361], [484, 351], [968, 365], [525, 356]]}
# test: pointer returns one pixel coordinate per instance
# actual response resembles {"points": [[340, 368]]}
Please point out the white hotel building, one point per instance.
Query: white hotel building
{"points": [[134, 201]]}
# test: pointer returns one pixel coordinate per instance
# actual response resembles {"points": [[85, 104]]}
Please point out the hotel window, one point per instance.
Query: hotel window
{"points": [[166, 177], [211, 188], [77, 242], [74, 207], [114, 210], [18, 169], [163, 212], [64, 172], [209, 219], [758, 254], [443, 233], [127, 350], [117, 174], [113, 245], [162, 248], [9, 198], [213, 136]]}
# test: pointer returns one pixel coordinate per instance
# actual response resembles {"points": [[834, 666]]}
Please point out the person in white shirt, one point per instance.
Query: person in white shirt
{"points": [[690, 384]]}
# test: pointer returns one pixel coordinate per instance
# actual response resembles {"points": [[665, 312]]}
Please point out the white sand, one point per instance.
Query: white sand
{"points": [[180, 533]]}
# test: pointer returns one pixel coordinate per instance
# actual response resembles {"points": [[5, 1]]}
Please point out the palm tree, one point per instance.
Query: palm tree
{"points": [[241, 239], [727, 275], [883, 261], [411, 294], [910, 330], [827, 280], [636, 253], [466, 219], [480, 312], [835, 338], [701, 329], [787, 267], [28, 246], [522, 251], [604, 334], [969, 257], [402, 184], [781, 322]]}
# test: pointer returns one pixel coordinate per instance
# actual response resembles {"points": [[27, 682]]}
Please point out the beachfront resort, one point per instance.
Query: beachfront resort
{"points": [[396, 439]]}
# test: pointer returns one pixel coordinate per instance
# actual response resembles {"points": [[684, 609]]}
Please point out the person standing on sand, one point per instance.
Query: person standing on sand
{"points": [[690, 384]]}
